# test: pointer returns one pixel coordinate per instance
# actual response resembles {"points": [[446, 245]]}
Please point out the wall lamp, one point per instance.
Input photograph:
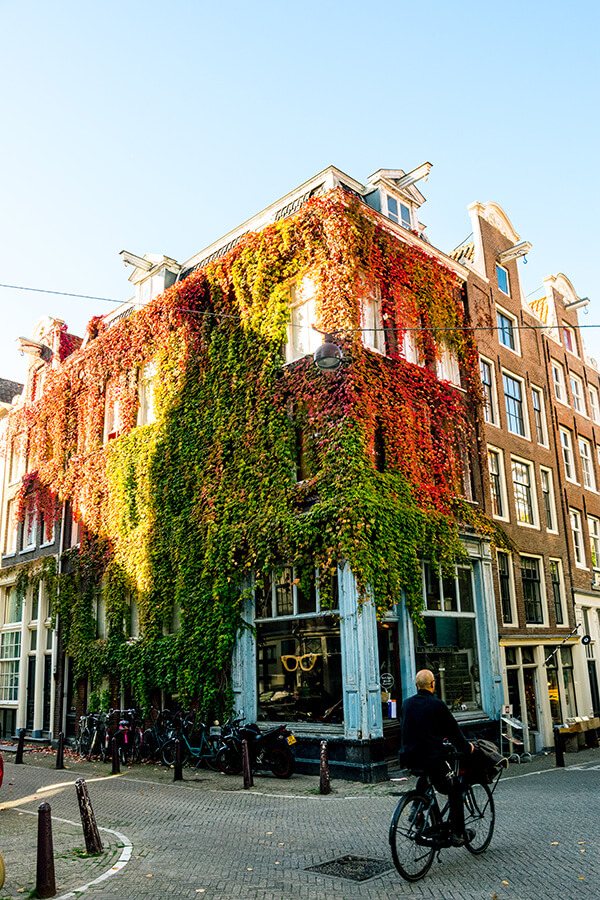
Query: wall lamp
{"points": [[328, 357], [130, 259], [514, 252]]}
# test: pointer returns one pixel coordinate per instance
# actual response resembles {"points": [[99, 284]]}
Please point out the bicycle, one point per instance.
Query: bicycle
{"points": [[97, 727], [203, 750], [83, 741], [420, 828]]}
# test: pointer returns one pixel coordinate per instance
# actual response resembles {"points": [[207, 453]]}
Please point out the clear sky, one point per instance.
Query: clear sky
{"points": [[158, 127]]}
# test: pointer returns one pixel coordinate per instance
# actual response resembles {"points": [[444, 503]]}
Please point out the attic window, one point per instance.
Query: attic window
{"points": [[398, 212]]}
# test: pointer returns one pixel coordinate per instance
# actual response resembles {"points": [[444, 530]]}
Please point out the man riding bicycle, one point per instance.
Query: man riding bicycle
{"points": [[426, 723]]}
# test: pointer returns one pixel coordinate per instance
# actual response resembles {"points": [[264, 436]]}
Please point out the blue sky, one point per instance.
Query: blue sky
{"points": [[159, 127]]}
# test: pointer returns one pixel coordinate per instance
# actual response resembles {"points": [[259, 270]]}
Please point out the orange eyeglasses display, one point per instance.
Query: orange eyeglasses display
{"points": [[306, 662]]}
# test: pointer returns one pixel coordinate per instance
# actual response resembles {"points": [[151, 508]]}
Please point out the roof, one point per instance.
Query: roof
{"points": [[9, 390]]}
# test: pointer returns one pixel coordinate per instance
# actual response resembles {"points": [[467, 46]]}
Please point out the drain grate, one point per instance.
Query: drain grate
{"points": [[356, 868]]}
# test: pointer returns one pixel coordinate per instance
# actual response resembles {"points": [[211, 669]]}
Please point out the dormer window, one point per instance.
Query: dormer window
{"points": [[398, 212]]}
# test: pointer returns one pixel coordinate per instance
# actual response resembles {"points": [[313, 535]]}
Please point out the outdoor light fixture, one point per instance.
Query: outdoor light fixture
{"points": [[130, 259], [514, 252], [328, 356], [421, 171]]}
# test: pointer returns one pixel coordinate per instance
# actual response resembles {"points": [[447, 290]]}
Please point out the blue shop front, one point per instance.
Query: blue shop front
{"points": [[338, 675]]}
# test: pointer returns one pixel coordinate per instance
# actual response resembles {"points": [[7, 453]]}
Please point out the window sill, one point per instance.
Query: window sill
{"points": [[529, 525], [28, 549]]}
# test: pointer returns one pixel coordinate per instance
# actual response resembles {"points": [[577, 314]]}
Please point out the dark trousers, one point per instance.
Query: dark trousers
{"points": [[446, 782]]}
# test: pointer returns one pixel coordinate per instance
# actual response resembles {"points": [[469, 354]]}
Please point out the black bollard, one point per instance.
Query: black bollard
{"points": [[116, 765], [248, 779], [20, 745], [45, 884], [177, 768], [559, 747], [93, 844], [324, 779], [60, 751]]}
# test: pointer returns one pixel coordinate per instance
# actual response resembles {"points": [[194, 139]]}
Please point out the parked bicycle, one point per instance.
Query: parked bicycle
{"points": [[197, 744], [420, 828], [156, 736], [128, 735]]}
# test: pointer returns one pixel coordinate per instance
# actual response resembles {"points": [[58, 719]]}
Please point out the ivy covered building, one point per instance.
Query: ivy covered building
{"points": [[235, 526]]}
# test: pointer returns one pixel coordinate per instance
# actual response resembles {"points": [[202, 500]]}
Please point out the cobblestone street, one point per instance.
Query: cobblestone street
{"points": [[207, 837]]}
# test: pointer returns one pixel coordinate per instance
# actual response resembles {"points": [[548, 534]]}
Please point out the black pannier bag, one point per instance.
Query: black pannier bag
{"points": [[484, 763]]}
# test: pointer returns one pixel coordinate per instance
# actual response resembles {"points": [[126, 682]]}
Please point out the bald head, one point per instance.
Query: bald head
{"points": [[425, 680]]}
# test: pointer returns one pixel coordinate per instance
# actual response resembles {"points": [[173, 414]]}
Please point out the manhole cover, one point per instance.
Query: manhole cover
{"points": [[356, 868]]}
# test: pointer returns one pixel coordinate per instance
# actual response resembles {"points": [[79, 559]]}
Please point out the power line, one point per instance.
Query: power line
{"points": [[17, 287]]}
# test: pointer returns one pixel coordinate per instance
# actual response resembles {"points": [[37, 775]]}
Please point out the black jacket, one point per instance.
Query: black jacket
{"points": [[426, 722]]}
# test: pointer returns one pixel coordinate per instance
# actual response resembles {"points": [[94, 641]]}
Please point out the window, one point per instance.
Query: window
{"points": [[576, 531], [399, 212], [299, 664], [594, 530], [29, 528], [112, 419], [17, 464], [557, 590], [506, 587], [577, 394], [587, 465], [515, 409], [567, 454], [558, 377], [548, 498], [47, 529], [10, 528], [522, 482], [409, 350], [497, 485], [302, 337], [13, 606], [373, 335], [502, 278], [490, 410], [532, 590], [146, 409], [522, 689], [449, 644], [594, 403], [10, 652], [569, 340], [507, 334], [447, 367], [539, 415]]}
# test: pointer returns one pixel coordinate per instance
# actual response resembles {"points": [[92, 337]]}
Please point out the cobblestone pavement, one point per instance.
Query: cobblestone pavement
{"points": [[207, 837]]}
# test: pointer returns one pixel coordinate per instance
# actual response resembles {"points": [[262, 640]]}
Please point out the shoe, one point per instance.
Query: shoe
{"points": [[459, 840]]}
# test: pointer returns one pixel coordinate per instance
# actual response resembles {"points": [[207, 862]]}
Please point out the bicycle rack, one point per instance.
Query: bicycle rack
{"points": [[508, 737]]}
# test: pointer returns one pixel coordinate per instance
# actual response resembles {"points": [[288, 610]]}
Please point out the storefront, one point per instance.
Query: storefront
{"points": [[336, 674]]}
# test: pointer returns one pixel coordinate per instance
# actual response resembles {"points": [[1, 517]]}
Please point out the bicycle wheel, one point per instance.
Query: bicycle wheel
{"points": [[229, 760], [168, 753], [480, 817], [84, 742], [149, 745], [414, 818]]}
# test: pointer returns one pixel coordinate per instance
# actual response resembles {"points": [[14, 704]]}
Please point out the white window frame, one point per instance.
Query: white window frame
{"points": [[587, 464], [532, 490], [560, 391], [10, 657], [447, 367], [502, 482], [525, 412], [409, 350], [511, 590], [544, 470], [559, 566], [295, 614], [30, 528], [17, 463], [490, 414], [535, 390], [11, 530], [500, 311], [571, 332], [577, 394], [46, 541], [371, 321], [594, 403], [577, 538], [501, 269], [594, 535], [302, 317], [146, 408], [397, 215], [568, 458], [543, 597]]}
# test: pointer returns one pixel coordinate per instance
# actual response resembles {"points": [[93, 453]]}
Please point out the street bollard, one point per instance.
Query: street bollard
{"points": [[20, 745], [45, 884], [248, 779], [324, 779], [116, 765], [559, 747], [177, 767], [60, 751], [93, 844]]}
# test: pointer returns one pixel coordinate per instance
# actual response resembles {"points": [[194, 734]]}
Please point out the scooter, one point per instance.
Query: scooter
{"points": [[267, 750]]}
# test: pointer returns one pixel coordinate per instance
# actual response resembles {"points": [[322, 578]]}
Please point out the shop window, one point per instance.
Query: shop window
{"points": [[521, 678], [299, 667], [389, 670], [449, 646]]}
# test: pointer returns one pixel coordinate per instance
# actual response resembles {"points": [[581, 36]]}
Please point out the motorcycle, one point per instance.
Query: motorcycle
{"points": [[267, 750]]}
